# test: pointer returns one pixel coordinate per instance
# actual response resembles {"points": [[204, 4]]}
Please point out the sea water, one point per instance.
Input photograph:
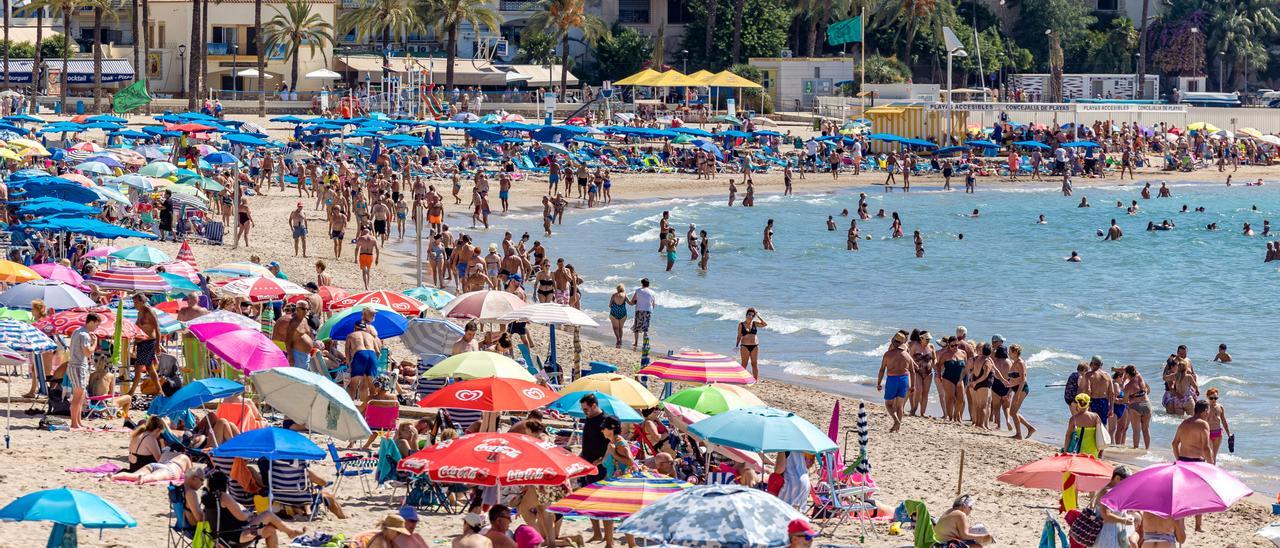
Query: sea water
{"points": [[830, 312]]}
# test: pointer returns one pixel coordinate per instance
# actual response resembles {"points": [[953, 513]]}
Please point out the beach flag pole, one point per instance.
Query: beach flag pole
{"points": [[960, 480]]}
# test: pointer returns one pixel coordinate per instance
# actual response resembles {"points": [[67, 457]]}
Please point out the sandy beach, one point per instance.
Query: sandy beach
{"points": [[921, 462]]}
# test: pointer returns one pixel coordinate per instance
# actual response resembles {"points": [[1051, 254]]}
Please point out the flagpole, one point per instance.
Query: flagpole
{"points": [[862, 63]]}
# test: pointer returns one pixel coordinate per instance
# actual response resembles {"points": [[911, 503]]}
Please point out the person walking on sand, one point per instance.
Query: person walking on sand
{"points": [[80, 366], [897, 363], [245, 217], [644, 300], [337, 229], [367, 254], [1018, 386], [768, 236], [1218, 426], [145, 347], [618, 313], [298, 222], [749, 341]]}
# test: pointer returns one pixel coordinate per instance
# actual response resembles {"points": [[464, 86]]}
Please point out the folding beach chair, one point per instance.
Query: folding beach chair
{"points": [[840, 502], [213, 232], [180, 532], [428, 495], [358, 466]]}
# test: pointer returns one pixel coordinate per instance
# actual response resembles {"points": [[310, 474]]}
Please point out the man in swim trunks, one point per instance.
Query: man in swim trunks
{"points": [[337, 229], [897, 363], [1097, 384], [1193, 440], [367, 254], [299, 337], [381, 214], [363, 347], [298, 222], [144, 347]]}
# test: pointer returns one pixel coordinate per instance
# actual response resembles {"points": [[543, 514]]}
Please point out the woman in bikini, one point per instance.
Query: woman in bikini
{"points": [[546, 282], [1218, 425], [922, 353], [749, 341], [953, 356], [1139, 405], [170, 467], [1019, 388], [145, 444], [618, 313]]}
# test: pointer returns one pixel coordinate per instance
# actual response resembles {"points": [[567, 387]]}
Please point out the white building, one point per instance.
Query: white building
{"points": [[1035, 87], [795, 83]]}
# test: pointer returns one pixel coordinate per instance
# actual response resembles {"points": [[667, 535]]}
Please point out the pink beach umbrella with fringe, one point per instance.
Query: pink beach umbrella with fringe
{"points": [[247, 350], [1177, 490], [101, 252], [58, 272], [482, 305]]}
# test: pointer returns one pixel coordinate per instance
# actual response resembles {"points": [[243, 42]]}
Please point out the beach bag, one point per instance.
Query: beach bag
{"points": [[1086, 527]]}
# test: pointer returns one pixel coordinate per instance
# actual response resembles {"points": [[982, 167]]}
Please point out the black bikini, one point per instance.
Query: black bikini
{"points": [[743, 331]]}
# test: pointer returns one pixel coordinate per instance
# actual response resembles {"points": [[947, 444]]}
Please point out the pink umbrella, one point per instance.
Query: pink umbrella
{"points": [[247, 350], [1177, 490], [482, 305], [101, 252], [61, 273]]}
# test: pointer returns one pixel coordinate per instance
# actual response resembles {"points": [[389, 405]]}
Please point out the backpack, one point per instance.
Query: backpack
{"points": [[1086, 527]]}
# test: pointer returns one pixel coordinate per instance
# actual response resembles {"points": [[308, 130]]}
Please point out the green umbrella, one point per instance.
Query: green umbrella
{"points": [[16, 314], [144, 255], [709, 399]]}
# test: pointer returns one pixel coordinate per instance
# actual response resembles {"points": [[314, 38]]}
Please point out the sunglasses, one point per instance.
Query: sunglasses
{"points": [[1215, 398]]}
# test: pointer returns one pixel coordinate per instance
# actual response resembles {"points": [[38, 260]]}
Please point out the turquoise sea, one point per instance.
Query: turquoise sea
{"points": [[831, 311]]}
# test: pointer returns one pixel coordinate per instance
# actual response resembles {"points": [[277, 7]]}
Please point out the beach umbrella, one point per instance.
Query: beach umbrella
{"points": [[712, 399], [67, 321], [13, 273], [158, 169], [491, 394], [299, 156], [239, 270], [497, 459], [197, 393], [618, 497], [624, 388], [721, 516], [224, 316], [549, 314], [863, 464], [139, 182], [129, 278], [55, 294], [247, 350], [259, 289], [433, 297], [400, 303], [1177, 490], [683, 417], [16, 314], [98, 168], [271, 443], [24, 337], [763, 429], [312, 400], [144, 255], [388, 322], [167, 322], [67, 507], [482, 305], [186, 255], [1091, 474], [221, 158], [9, 356], [426, 336], [85, 146], [476, 365], [101, 252], [322, 74], [192, 201], [180, 269], [327, 293], [569, 405], [179, 284], [698, 366]]}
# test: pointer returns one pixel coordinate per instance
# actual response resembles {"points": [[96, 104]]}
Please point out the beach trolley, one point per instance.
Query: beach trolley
{"points": [[913, 120]]}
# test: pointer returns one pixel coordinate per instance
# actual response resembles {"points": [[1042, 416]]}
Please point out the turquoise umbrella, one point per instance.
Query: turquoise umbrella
{"points": [[435, 298], [180, 283], [67, 507], [158, 169], [142, 254], [568, 404], [763, 429]]}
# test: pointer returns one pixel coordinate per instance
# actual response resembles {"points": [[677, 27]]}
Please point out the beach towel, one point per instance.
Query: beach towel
{"points": [[924, 524], [104, 469], [388, 459], [195, 359], [1052, 535]]}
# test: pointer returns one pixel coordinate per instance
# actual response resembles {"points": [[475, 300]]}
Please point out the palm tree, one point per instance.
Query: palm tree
{"points": [[296, 26], [909, 16], [259, 44], [557, 18], [712, 7], [7, 44], [387, 19], [447, 15], [738, 7], [99, 7], [197, 49], [146, 38], [1242, 28], [139, 71], [64, 8]]}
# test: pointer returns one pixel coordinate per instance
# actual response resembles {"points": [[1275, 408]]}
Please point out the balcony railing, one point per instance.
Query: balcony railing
{"points": [[517, 5], [633, 16]]}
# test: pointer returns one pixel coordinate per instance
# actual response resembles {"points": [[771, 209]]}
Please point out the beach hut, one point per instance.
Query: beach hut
{"points": [[912, 120]]}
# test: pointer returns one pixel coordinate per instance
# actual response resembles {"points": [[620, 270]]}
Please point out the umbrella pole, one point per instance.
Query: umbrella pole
{"points": [[552, 356], [8, 400], [577, 352], [960, 479]]}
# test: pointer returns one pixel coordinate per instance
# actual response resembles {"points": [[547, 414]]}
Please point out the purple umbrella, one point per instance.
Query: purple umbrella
{"points": [[1177, 490], [247, 350]]}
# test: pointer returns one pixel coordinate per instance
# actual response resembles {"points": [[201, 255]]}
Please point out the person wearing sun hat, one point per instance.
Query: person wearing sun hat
{"points": [[390, 530], [896, 363], [411, 539], [472, 524], [799, 533]]}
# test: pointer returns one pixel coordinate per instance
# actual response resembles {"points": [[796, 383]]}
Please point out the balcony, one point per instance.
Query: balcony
{"points": [[518, 5], [633, 16], [218, 49]]}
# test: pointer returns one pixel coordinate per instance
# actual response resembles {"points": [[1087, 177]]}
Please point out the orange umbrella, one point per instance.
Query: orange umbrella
{"points": [[1091, 474], [15, 273]]}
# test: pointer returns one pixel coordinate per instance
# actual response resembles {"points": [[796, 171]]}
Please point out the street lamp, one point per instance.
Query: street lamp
{"points": [[182, 55], [684, 60], [1222, 63], [955, 48], [1137, 83]]}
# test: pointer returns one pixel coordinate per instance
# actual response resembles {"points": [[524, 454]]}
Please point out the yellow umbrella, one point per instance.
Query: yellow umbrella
{"points": [[35, 152], [1203, 126], [702, 76], [9, 154], [626, 389], [1250, 132], [478, 365], [25, 143], [670, 79], [728, 79], [637, 79], [15, 273]]}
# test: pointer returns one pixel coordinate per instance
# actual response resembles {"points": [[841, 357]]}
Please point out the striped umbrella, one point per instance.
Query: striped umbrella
{"points": [[168, 322], [180, 268], [435, 298], [863, 464], [408, 306], [700, 367], [186, 255], [188, 200], [15, 273], [482, 305], [24, 337], [619, 497], [129, 278], [259, 289], [67, 321], [238, 270], [426, 336]]}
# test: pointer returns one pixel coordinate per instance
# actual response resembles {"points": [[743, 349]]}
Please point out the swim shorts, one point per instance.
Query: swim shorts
{"points": [[299, 231], [364, 363], [366, 260], [379, 227], [1102, 407], [896, 387], [301, 360], [641, 323]]}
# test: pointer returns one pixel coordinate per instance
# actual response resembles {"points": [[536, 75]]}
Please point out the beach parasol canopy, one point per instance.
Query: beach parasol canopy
{"points": [[180, 269], [239, 270], [15, 273], [569, 404], [247, 350], [158, 169], [1177, 490], [259, 289], [101, 252], [270, 443], [549, 314], [67, 321], [313, 400], [683, 417], [763, 429], [388, 323], [497, 459], [433, 297], [426, 336], [698, 366], [478, 365], [1048, 473], [713, 399], [491, 394], [68, 507], [16, 314], [671, 78], [144, 255], [197, 393], [714, 516], [58, 272], [129, 278], [726, 79], [322, 74], [638, 78], [618, 497], [624, 388], [56, 295], [407, 306], [225, 316], [24, 337], [482, 305]]}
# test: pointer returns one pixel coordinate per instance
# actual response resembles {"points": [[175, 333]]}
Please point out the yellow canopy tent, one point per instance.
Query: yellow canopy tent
{"points": [[671, 79], [728, 79], [702, 76], [637, 79]]}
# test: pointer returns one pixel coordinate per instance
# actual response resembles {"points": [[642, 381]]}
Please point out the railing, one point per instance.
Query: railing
{"points": [[218, 48], [633, 16], [517, 5]]}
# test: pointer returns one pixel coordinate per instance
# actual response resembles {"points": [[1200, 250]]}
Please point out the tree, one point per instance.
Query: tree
{"points": [[20, 50], [388, 19], [292, 28], [447, 15], [1242, 29], [259, 47], [1068, 19], [764, 33], [146, 39], [64, 8], [100, 7], [538, 48], [908, 17], [622, 53], [6, 43], [558, 18], [197, 50], [57, 45]]}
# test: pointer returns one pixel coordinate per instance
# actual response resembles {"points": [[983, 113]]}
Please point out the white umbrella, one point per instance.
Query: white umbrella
{"points": [[763, 121], [299, 156], [426, 336], [312, 400], [224, 316], [253, 73], [1270, 139], [549, 314], [323, 74]]}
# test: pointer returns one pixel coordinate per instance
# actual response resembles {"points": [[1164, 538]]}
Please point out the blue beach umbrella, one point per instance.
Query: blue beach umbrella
{"points": [[763, 429], [568, 404], [386, 321], [107, 118], [1031, 144], [24, 337], [197, 393], [180, 284], [723, 516], [271, 443], [1081, 144], [95, 167], [67, 507], [220, 158]]}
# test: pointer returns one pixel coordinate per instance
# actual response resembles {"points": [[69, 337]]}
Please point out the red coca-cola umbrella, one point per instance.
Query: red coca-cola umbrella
{"points": [[497, 459], [408, 306], [491, 394], [328, 294]]}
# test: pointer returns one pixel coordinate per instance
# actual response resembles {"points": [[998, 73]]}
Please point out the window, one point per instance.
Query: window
{"points": [[817, 72], [633, 11], [228, 36], [251, 41], [1108, 5], [678, 12]]}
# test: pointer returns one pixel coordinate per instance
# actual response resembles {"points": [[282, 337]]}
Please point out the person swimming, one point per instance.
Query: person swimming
{"points": [[1074, 258], [1042, 220]]}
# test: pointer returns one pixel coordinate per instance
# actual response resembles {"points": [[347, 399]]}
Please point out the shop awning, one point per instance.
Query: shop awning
{"points": [[466, 72], [19, 71], [539, 76], [80, 71]]}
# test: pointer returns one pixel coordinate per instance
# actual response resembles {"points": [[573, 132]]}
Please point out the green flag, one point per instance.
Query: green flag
{"points": [[130, 98], [849, 30], [117, 339]]}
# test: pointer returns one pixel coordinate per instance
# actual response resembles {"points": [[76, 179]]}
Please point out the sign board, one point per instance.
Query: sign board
{"points": [[1058, 107], [731, 107], [606, 89], [501, 48]]}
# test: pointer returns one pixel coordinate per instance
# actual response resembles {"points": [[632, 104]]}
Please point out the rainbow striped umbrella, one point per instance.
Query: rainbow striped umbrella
{"points": [[619, 497], [129, 278], [698, 366]]}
